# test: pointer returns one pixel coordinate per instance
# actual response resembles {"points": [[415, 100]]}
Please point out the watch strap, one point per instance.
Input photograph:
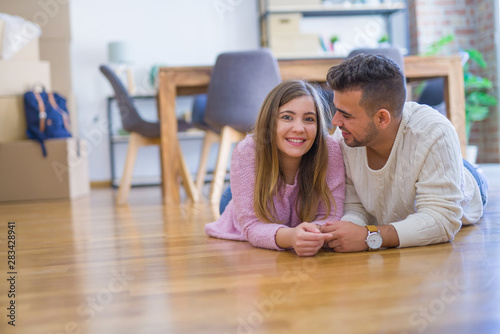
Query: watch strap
{"points": [[372, 228]]}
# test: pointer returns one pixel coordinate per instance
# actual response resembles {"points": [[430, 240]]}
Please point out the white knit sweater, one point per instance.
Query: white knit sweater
{"points": [[423, 190]]}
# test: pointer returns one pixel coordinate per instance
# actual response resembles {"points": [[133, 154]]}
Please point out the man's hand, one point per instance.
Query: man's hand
{"points": [[345, 236]]}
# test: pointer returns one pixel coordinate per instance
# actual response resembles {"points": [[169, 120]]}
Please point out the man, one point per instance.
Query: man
{"points": [[406, 183]]}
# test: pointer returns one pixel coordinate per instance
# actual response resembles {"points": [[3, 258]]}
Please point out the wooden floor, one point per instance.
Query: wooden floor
{"points": [[87, 267]]}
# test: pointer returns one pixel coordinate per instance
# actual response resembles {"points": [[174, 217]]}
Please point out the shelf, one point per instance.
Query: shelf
{"points": [[338, 10], [293, 30]]}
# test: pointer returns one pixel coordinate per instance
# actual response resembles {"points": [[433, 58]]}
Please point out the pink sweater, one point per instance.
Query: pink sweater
{"points": [[239, 222]]}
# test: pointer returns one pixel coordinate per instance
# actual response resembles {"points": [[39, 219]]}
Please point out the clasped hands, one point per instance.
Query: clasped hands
{"points": [[341, 236]]}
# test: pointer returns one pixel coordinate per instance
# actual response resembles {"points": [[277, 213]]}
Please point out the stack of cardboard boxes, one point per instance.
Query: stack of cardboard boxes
{"points": [[17, 75], [25, 174], [286, 39], [284, 35]]}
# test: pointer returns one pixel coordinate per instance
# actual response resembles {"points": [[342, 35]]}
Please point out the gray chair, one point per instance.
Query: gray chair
{"points": [[390, 52], [142, 133], [239, 83]]}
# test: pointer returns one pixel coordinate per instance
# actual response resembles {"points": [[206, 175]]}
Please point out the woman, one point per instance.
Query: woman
{"points": [[287, 178]]}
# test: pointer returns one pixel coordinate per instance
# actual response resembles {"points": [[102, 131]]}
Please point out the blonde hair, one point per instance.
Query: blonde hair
{"points": [[313, 165]]}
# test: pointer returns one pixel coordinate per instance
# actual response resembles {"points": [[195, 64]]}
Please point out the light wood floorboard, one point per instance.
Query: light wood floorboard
{"points": [[86, 266]]}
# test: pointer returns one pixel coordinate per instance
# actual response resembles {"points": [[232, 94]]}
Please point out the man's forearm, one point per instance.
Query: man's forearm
{"points": [[389, 236]]}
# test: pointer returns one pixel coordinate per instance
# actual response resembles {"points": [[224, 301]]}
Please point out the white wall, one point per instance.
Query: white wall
{"points": [[170, 32]]}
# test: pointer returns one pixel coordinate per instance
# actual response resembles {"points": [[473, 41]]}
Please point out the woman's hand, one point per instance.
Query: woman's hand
{"points": [[305, 238], [308, 239]]}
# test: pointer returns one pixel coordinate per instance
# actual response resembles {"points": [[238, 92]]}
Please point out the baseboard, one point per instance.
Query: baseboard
{"points": [[100, 184]]}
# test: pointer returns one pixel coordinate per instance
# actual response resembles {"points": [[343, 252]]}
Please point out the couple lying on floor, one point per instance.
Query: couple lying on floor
{"points": [[391, 175]]}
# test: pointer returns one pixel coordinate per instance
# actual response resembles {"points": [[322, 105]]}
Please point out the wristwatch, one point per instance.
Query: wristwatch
{"points": [[374, 239]]}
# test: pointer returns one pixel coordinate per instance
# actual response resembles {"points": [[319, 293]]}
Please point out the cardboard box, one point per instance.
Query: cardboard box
{"points": [[298, 4], [12, 119], [25, 174], [57, 52], [19, 76], [30, 52], [295, 45], [284, 24], [51, 15], [73, 115]]}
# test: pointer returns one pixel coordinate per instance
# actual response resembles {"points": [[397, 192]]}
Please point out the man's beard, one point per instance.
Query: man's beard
{"points": [[371, 132]]}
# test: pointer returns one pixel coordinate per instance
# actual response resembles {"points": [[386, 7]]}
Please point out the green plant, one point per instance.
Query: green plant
{"points": [[477, 89], [436, 47], [478, 99], [383, 39]]}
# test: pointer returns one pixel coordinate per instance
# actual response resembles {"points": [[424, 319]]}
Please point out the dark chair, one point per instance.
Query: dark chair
{"points": [[142, 133], [239, 83], [433, 95], [433, 91], [198, 112]]}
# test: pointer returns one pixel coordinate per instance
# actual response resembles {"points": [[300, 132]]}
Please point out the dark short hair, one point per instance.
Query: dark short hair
{"points": [[380, 80]]}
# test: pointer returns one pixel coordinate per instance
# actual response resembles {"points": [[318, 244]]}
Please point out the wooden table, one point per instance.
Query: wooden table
{"points": [[174, 81]]}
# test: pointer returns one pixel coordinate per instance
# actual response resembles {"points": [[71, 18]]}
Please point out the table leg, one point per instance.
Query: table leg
{"points": [[173, 163], [168, 140], [455, 100]]}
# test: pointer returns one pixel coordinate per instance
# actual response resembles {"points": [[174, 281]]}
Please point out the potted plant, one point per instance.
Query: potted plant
{"points": [[477, 89], [478, 98]]}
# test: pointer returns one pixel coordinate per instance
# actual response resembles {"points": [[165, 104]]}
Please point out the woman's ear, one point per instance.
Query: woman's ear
{"points": [[382, 118]]}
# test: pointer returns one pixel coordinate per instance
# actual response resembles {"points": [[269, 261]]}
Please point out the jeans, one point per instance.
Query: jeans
{"points": [[225, 198], [478, 175]]}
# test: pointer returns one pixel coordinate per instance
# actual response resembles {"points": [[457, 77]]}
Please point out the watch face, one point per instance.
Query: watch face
{"points": [[374, 241]]}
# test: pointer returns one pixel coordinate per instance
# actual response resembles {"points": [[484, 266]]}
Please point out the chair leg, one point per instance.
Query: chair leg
{"points": [[125, 182], [229, 136], [135, 142], [187, 179], [210, 139]]}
